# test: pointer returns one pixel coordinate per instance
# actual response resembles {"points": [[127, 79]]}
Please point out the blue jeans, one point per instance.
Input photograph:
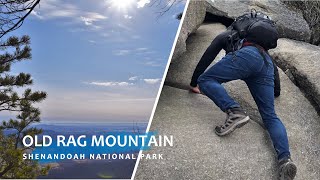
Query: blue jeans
{"points": [[248, 65]]}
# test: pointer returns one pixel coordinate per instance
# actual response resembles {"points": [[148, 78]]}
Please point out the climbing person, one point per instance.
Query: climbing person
{"points": [[246, 42]]}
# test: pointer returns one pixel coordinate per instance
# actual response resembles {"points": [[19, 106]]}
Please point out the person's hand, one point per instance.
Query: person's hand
{"points": [[195, 89]]}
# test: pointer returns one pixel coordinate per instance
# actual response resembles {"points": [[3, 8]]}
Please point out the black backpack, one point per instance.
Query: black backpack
{"points": [[254, 27]]}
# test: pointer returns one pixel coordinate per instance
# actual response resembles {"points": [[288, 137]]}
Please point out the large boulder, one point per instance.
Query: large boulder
{"points": [[194, 17], [197, 152], [246, 153], [290, 23], [301, 61]]}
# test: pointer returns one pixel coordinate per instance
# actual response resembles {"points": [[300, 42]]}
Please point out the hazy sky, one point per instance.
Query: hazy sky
{"points": [[98, 60]]}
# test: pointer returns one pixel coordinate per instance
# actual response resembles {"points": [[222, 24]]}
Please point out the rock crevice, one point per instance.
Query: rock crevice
{"points": [[301, 61]]}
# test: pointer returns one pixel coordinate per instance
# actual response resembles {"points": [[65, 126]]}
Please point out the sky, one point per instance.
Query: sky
{"points": [[99, 61]]}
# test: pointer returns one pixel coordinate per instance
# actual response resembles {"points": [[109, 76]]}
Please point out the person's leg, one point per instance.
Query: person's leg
{"points": [[231, 67], [223, 71], [263, 95], [262, 89]]}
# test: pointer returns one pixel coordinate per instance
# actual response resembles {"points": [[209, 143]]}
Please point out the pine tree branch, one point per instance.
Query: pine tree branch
{"points": [[2, 173], [17, 106], [7, 2], [9, 109], [20, 22], [4, 102], [19, 10], [6, 44], [9, 60]]}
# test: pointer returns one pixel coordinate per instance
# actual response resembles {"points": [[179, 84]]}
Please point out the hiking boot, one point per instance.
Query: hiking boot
{"points": [[236, 118], [287, 169]]}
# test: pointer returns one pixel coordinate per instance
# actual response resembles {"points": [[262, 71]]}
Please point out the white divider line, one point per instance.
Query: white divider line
{"points": [[161, 85]]}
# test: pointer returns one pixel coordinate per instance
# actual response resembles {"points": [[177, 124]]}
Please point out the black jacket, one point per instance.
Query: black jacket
{"points": [[219, 43]]}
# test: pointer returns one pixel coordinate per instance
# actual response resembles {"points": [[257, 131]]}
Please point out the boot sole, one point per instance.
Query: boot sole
{"points": [[236, 125], [289, 172]]}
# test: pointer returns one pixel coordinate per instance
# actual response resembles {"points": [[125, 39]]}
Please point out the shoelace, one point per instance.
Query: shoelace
{"points": [[228, 119]]}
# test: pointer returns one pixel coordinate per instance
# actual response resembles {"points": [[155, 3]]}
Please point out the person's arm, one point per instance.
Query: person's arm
{"points": [[209, 55], [277, 87]]}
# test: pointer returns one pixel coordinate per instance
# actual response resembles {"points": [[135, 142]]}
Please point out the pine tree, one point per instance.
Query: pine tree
{"points": [[11, 163], [15, 50]]}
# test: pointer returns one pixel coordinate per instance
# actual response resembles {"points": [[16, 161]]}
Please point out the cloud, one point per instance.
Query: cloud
{"points": [[98, 105], [91, 17], [142, 3], [110, 83], [86, 21], [134, 51], [142, 49], [73, 30], [152, 81], [127, 16], [60, 14], [105, 34], [56, 9], [135, 37], [53, 9], [133, 78], [124, 27], [121, 52], [95, 19], [37, 14], [124, 83], [152, 63]]}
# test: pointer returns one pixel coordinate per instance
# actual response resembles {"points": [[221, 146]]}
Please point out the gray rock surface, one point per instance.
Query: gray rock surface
{"points": [[246, 153], [290, 23], [197, 152], [194, 17], [302, 61], [180, 73]]}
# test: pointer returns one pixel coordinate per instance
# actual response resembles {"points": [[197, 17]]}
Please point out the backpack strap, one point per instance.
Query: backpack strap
{"points": [[253, 13]]}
